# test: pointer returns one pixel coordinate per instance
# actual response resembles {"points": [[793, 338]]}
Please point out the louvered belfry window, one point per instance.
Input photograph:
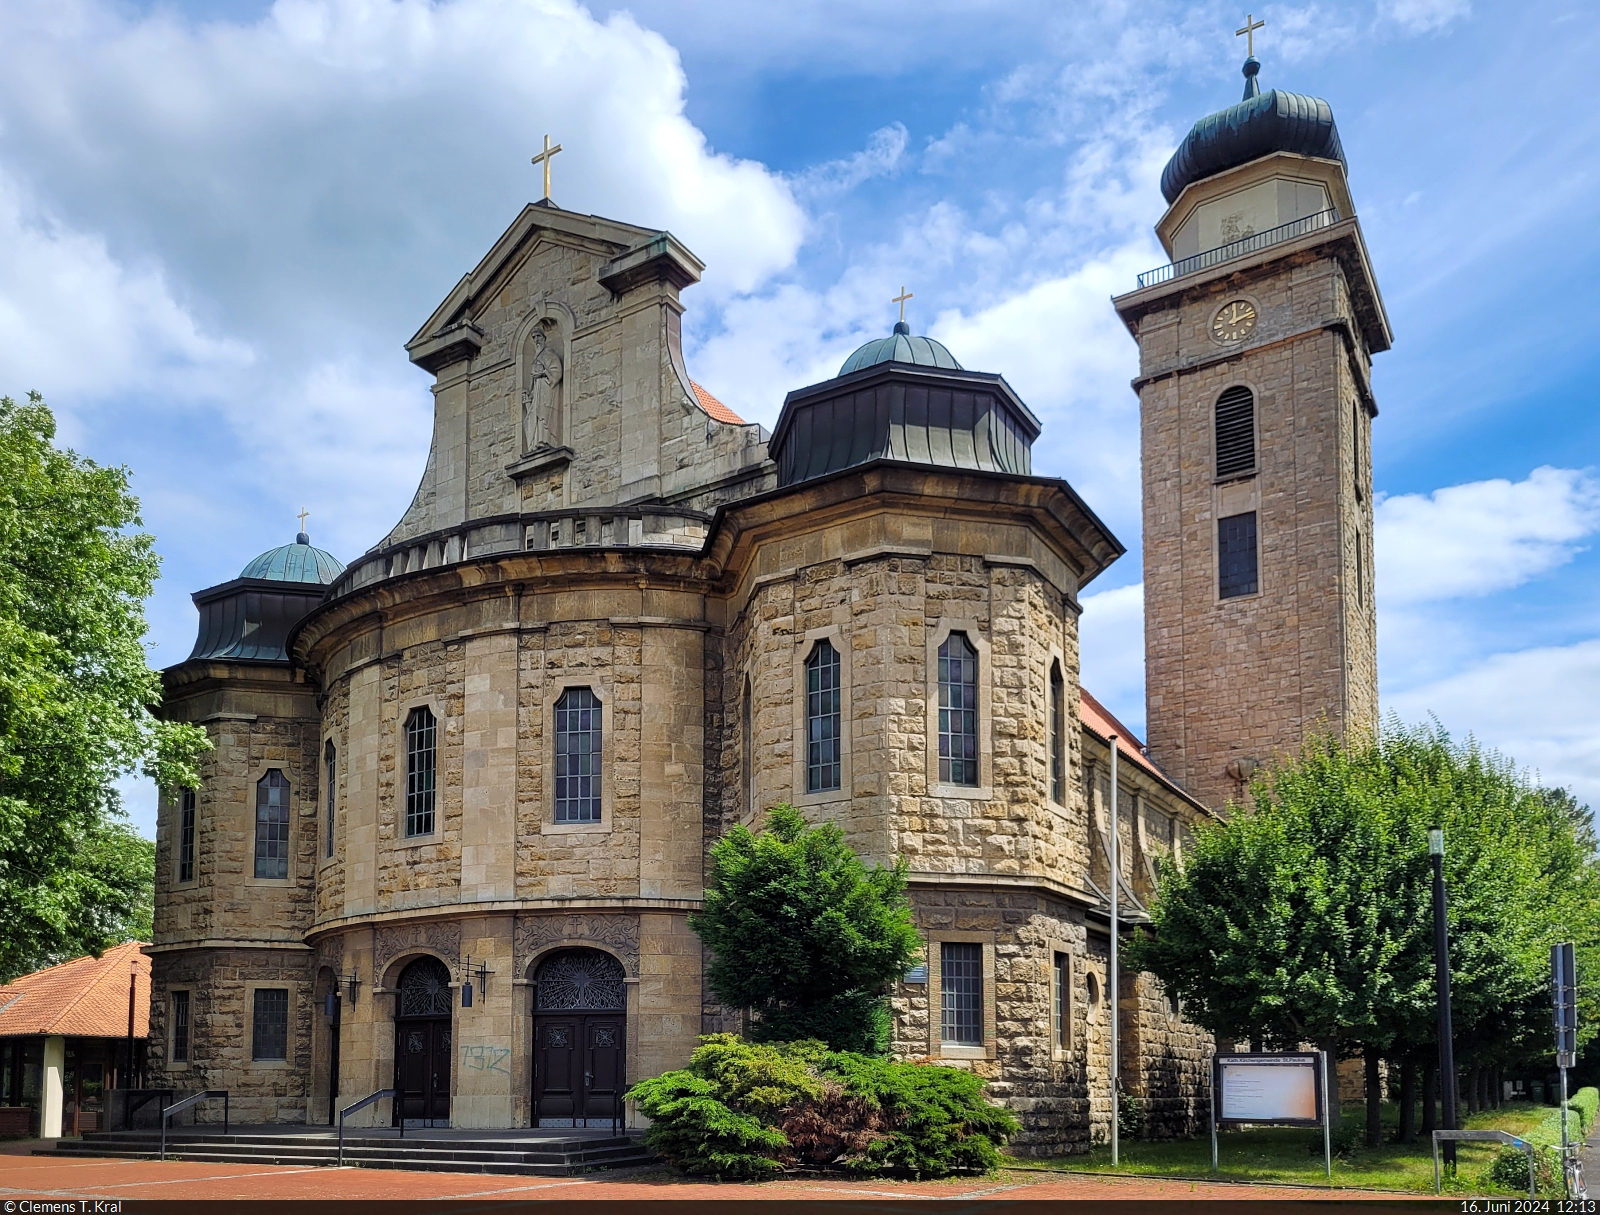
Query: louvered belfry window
{"points": [[1236, 433]]}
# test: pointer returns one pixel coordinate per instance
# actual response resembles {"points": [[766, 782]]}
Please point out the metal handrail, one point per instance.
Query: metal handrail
{"points": [[147, 1095], [1504, 1137], [361, 1105], [178, 1107], [1251, 243]]}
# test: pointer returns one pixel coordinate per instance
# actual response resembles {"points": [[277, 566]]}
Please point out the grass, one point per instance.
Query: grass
{"points": [[1294, 1156]]}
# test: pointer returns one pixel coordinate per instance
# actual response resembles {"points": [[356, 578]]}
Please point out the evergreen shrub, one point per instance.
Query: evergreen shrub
{"points": [[1585, 1103], [744, 1111]]}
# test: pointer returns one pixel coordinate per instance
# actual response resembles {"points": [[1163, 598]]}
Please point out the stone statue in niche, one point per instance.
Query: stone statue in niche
{"points": [[541, 392]]}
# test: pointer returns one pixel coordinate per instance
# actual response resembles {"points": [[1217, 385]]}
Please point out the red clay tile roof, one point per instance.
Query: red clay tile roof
{"points": [[1099, 719], [86, 997], [714, 407]]}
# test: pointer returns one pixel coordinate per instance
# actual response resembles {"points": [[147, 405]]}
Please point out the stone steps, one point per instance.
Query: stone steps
{"points": [[553, 1157]]}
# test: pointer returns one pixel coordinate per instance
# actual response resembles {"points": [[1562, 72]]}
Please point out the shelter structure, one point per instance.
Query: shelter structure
{"points": [[68, 1035]]}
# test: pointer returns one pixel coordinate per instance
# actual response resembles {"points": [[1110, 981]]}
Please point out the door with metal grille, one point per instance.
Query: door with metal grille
{"points": [[579, 1040], [423, 1044]]}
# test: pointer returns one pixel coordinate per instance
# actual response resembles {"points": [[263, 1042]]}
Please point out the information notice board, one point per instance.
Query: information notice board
{"points": [[1276, 1089]]}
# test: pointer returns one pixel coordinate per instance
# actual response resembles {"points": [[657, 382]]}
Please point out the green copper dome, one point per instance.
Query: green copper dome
{"points": [[297, 562], [901, 347]]}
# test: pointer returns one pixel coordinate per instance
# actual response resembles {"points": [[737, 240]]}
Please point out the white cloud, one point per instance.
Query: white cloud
{"points": [[1482, 537], [1425, 16], [1111, 650], [75, 321], [883, 156], [1540, 706]]}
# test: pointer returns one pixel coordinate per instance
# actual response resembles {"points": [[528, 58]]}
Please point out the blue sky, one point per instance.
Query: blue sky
{"points": [[219, 222]]}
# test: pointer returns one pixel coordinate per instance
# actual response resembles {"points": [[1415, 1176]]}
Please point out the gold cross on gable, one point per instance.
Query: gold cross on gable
{"points": [[1251, 25], [304, 513], [545, 158], [901, 300]]}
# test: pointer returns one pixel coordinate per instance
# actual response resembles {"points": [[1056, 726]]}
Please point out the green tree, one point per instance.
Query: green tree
{"points": [[804, 934], [1308, 917], [74, 691]]}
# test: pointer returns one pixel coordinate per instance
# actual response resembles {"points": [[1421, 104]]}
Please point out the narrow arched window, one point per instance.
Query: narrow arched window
{"points": [[421, 770], [330, 797], [186, 836], [578, 757], [822, 719], [958, 712], [1236, 432], [1058, 739], [747, 757], [272, 826]]}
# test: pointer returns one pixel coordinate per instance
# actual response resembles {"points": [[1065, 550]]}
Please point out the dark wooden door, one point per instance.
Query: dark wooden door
{"points": [[578, 1068], [422, 1070]]}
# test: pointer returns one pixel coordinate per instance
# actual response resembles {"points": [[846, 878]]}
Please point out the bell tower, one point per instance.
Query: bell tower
{"points": [[1256, 411]]}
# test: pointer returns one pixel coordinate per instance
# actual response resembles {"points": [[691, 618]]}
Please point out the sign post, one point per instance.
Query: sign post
{"points": [[1564, 995], [1273, 1090]]}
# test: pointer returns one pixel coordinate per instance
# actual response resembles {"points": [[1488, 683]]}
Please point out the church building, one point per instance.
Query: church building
{"points": [[464, 787]]}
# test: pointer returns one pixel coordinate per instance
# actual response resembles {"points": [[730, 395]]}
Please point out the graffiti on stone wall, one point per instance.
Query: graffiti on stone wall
{"points": [[486, 1059]]}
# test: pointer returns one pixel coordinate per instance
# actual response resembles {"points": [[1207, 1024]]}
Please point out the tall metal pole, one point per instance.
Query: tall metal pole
{"points": [[1116, 1049], [133, 983], [1441, 963]]}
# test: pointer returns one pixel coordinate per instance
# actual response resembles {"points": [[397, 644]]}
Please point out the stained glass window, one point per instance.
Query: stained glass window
{"points": [[1236, 556]]}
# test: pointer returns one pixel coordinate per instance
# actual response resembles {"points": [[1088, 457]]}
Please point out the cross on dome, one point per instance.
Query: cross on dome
{"points": [[901, 300], [1248, 33]]}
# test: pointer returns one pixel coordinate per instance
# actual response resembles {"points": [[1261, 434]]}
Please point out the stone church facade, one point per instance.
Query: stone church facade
{"points": [[463, 789]]}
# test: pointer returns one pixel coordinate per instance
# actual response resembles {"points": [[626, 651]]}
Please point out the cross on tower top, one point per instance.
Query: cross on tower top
{"points": [[544, 158], [901, 300], [1248, 33], [302, 517]]}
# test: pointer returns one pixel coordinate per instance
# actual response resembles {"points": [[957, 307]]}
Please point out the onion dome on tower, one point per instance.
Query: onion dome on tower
{"points": [[905, 398], [250, 617], [1262, 123]]}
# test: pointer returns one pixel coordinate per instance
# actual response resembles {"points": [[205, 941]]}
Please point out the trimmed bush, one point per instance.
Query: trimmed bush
{"points": [[745, 1111], [1585, 1103]]}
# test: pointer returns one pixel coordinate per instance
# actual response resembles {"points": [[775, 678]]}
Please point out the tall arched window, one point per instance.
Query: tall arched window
{"points": [[421, 770], [186, 836], [822, 719], [272, 826], [958, 712], [1058, 737], [425, 989], [578, 757], [747, 742], [1236, 432], [330, 770]]}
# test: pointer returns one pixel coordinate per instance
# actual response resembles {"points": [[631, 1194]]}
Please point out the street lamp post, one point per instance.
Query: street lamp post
{"points": [[1441, 962]]}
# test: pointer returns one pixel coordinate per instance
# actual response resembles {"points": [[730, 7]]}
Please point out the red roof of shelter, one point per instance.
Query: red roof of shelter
{"points": [[714, 407], [83, 998]]}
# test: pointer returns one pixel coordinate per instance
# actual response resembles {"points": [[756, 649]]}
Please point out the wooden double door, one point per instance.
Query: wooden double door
{"points": [[579, 1072], [422, 1070]]}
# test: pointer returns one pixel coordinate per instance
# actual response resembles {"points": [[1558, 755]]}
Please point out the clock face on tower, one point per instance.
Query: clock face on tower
{"points": [[1235, 321]]}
